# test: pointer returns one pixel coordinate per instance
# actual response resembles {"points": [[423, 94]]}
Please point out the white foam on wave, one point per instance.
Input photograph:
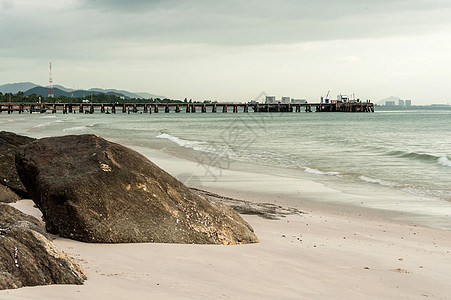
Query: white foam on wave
{"points": [[40, 125], [377, 181], [77, 128], [217, 149], [444, 161], [49, 122], [315, 171], [184, 143]]}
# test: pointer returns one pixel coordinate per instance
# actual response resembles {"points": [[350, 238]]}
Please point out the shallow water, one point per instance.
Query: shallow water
{"points": [[407, 152]]}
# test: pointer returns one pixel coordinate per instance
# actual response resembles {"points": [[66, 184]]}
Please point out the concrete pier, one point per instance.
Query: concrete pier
{"points": [[91, 108]]}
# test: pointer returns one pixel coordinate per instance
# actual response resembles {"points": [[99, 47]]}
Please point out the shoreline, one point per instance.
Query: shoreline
{"points": [[316, 192], [307, 250], [295, 185], [300, 255]]}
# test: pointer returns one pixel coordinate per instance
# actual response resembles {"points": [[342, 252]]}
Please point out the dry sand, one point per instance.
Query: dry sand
{"points": [[332, 251], [316, 255]]}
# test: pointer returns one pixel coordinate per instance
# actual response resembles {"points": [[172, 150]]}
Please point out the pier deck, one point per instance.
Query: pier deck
{"points": [[183, 107]]}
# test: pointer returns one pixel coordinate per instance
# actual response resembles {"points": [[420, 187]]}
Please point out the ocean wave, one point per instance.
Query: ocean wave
{"points": [[444, 161], [216, 149], [226, 151], [181, 142], [315, 171], [413, 155], [77, 128], [48, 123], [40, 125], [441, 160], [376, 181]]}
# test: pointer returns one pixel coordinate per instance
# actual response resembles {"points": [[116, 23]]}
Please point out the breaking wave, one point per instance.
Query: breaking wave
{"points": [[217, 149], [315, 171], [441, 160], [199, 146], [77, 128], [376, 181], [413, 155], [444, 161]]}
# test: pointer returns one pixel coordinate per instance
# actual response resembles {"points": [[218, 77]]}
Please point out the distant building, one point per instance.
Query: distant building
{"points": [[408, 103], [298, 101], [286, 100], [401, 103], [270, 99], [389, 103], [342, 98]]}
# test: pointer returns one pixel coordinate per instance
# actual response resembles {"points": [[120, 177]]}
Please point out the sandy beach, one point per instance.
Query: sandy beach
{"points": [[316, 255], [308, 250]]}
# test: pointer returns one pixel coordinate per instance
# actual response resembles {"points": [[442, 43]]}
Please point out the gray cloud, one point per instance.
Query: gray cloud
{"points": [[135, 6], [7, 4], [262, 22], [230, 22], [91, 28], [171, 35]]}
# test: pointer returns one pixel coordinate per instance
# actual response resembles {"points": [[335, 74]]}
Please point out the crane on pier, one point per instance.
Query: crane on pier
{"points": [[325, 98]]}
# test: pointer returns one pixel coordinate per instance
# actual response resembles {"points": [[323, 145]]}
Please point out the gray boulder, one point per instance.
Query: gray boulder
{"points": [[93, 190], [12, 188], [7, 195], [28, 257]]}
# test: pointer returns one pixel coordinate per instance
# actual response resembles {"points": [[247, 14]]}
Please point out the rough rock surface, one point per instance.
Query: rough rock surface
{"points": [[9, 142], [93, 190], [7, 195], [27, 255]]}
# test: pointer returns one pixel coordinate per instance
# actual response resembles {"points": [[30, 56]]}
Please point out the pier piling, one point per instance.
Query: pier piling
{"points": [[188, 107]]}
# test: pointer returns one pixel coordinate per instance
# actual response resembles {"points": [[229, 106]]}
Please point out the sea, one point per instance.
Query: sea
{"points": [[392, 160]]}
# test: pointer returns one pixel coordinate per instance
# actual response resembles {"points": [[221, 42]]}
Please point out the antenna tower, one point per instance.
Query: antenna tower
{"points": [[51, 91]]}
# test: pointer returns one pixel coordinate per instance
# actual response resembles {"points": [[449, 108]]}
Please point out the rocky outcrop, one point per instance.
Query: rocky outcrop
{"points": [[27, 255], [9, 142], [93, 190], [7, 195]]}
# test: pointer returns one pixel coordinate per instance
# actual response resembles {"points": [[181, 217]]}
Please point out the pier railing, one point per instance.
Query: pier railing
{"points": [[113, 108]]}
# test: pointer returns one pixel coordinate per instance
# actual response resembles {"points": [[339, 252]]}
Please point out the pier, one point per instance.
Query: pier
{"points": [[113, 108]]}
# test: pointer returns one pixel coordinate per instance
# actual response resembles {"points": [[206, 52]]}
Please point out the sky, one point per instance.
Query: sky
{"points": [[233, 50]]}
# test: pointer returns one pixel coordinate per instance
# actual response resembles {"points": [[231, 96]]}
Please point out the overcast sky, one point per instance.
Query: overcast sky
{"points": [[233, 50]]}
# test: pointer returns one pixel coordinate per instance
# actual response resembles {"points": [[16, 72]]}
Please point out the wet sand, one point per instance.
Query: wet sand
{"points": [[308, 250]]}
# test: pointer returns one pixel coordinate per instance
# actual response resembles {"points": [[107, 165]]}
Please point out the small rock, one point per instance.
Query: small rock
{"points": [[27, 255]]}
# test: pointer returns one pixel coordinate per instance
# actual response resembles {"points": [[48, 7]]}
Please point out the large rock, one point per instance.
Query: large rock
{"points": [[27, 255], [7, 195], [93, 190], [9, 142]]}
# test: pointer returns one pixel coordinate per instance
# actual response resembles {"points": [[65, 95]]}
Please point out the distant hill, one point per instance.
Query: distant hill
{"points": [[16, 87], [30, 88], [57, 86], [43, 91], [128, 94], [145, 95], [114, 91]]}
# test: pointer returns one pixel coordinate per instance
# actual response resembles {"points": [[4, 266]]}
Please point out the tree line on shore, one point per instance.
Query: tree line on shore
{"points": [[20, 97]]}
